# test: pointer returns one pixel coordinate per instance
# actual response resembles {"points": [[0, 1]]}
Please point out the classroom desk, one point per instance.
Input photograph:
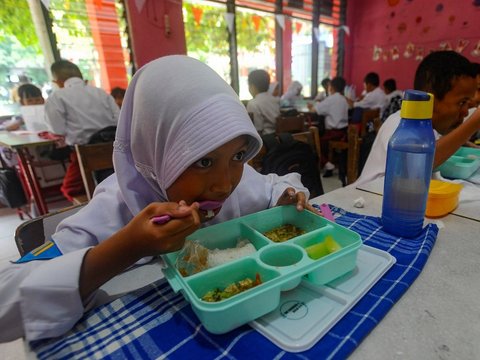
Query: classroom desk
{"points": [[21, 141], [468, 206], [437, 318]]}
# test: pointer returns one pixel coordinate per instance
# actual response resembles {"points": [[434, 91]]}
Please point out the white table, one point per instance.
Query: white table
{"points": [[468, 206], [439, 315]]}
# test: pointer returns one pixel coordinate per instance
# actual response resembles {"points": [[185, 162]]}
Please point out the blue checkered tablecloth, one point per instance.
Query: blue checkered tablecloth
{"points": [[156, 323]]}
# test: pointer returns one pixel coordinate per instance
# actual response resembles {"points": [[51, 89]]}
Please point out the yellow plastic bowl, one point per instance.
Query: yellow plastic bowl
{"points": [[442, 198]]}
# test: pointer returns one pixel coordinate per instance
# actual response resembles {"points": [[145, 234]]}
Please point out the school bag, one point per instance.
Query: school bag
{"points": [[286, 155], [11, 189]]}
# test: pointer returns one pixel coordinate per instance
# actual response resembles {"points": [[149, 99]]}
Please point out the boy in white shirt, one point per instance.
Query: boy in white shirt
{"points": [[451, 78], [335, 109], [374, 97]]}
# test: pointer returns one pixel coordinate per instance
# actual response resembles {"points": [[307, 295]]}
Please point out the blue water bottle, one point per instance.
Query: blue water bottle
{"points": [[409, 165]]}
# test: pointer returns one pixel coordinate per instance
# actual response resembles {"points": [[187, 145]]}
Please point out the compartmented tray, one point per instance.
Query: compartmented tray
{"points": [[462, 164], [306, 313], [281, 266]]}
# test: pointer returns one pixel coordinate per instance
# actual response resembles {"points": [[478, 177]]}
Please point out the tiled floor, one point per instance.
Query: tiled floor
{"points": [[9, 221]]}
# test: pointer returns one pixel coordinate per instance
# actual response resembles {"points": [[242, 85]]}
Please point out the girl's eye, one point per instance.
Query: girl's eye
{"points": [[239, 156], [204, 163]]}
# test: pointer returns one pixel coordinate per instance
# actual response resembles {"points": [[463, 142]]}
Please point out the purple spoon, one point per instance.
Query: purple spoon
{"points": [[207, 205]]}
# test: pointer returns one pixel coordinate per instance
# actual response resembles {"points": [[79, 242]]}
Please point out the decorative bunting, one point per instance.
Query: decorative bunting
{"points": [[395, 53], [139, 5], [256, 22], [346, 29], [197, 15], [280, 20], [316, 32], [298, 27], [461, 45], [46, 3], [409, 50], [230, 20], [476, 51]]}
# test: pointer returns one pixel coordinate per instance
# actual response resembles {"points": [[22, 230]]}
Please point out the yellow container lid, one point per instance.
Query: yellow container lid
{"points": [[442, 189]]}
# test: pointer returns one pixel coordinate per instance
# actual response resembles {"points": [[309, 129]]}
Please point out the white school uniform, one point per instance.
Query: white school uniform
{"points": [[374, 99], [40, 299], [335, 110], [78, 110], [265, 109]]}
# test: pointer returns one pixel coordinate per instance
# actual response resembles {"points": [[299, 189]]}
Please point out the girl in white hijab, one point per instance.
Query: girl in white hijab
{"points": [[293, 93], [169, 155]]}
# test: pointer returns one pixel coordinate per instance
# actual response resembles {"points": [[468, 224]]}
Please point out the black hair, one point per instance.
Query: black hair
{"points": [[260, 79], [476, 68], [372, 78], [27, 91], [118, 92], [325, 82], [438, 69], [390, 85], [63, 70], [338, 83]]}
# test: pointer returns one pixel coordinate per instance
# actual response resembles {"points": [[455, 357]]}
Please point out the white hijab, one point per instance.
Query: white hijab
{"points": [[175, 111], [293, 91]]}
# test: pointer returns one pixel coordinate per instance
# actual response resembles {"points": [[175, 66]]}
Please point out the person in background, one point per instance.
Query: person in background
{"points": [[118, 94], [335, 110], [323, 94], [393, 99], [28, 94], [475, 103], [264, 107], [169, 155], [451, 78], [374, 97], [77, 111], [274, 89], [292, 95]]}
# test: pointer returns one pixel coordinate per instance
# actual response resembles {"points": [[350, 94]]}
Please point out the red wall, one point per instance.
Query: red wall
{"points": [[390, 23], [150, 36]]}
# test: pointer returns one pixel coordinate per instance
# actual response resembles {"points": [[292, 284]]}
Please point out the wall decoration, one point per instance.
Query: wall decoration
{"points": [[393, 2], [402, 27], [197, 15], [256, 21], [377, 52], [420, 53], [426, 30], [476, 3], [461, 45], [409, 50], [418, 19], [451, 19], [476, 51], [439, 8], [445, 45], [230, 20], [395, 53], [298, 27]]}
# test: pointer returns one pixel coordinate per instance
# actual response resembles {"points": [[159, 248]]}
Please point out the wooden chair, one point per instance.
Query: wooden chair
{"points": [[347, 150], [291, 124], [93, 158], [33, 233]]}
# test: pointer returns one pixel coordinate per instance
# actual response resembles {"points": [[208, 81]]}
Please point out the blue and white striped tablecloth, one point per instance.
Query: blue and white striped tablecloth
{"points": [[156, 323]]}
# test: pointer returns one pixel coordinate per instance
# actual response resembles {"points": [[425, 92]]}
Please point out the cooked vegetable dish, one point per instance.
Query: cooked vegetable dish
{"points": [[232, 289], [283, 233]]}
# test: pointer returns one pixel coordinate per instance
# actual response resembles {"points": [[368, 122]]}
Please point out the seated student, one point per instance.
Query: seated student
{"points": [[335, 110], [323, 94], [77, 111], [474, 104], [118, 94], [28, 94], [292, 95], [264, 107], [450, 77], [374, 97], [393, 99], [169, 155]]}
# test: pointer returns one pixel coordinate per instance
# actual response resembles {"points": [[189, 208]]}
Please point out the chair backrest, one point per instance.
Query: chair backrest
{"points": [[290, 124], [368, 116], [33, 233], [92, 158], [312, 138]]}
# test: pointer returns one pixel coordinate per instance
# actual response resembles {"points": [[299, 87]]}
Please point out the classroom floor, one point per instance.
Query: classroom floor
{"points": [[9, 221]]}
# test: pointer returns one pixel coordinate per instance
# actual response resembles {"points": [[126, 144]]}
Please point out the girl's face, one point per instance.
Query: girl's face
{"points": [[213, 177]]}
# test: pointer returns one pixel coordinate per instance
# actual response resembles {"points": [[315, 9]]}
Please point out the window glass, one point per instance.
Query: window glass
{"points": [[302, 54], [256, 45], [206, 34], [88, 33], [325, 51], [21, 58]]}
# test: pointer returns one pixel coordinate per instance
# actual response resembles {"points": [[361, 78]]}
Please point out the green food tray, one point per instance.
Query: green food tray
{"points": [[462, 164], [281, 266]]}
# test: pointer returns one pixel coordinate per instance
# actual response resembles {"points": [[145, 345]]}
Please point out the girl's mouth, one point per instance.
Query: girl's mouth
{"points": [[210, 208]]}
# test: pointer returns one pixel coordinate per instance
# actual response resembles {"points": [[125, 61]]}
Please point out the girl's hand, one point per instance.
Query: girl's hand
{"points": [[291, 197], [151, 239]]}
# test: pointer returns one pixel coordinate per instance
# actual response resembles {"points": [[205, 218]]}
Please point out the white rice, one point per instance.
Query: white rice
{"points": [[218, 257]]}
